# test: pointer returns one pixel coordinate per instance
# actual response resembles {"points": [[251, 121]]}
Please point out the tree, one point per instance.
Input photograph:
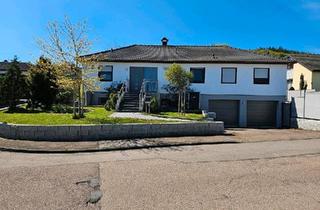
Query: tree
{"points": [[1, 84], [179, 79], [13, 87], [42, 82], [65, 45]]}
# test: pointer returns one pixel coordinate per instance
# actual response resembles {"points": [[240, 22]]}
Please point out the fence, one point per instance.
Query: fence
{"points": [[305, 109]]}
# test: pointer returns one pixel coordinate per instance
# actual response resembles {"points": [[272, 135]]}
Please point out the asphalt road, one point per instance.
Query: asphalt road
{"points": [[264, 175]]}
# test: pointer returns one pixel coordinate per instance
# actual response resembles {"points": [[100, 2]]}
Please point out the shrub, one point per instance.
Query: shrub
{"points": [[111, 102], [154, 105], [64, 97], [62, 108]]}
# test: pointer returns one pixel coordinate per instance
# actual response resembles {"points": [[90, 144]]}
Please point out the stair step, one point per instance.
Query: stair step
{"points": [[130, 103]]}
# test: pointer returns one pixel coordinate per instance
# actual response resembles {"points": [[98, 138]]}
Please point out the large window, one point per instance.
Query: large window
{"points": [[106, 74], [229, 75], [198, 75], [261, 75]]}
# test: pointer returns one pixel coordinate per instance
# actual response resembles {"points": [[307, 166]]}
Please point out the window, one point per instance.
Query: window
{"points": [[106, 74], [229, 75], [261, 75], [198, 75]]}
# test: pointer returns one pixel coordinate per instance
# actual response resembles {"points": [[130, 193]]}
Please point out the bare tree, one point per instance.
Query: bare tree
{"points": [[65, 45]]}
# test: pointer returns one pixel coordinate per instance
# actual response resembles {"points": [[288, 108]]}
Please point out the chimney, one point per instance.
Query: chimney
{"points": [[164, 41]]}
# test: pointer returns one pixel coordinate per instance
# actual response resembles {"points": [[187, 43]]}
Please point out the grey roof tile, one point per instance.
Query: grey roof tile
{"points": [[183, 54], [4, 66], [310, 61]]}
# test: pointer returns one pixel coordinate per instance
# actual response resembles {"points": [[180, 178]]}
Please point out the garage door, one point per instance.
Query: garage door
{"points": [[261, 113], [226, 111]]}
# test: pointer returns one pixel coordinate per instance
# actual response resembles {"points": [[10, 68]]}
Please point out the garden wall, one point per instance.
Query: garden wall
{"points": [[306, 124], [108, 131]]}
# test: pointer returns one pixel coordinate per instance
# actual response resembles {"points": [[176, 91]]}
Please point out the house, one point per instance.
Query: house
{"points": [[307, 65], [243, 88], [5, 65]]}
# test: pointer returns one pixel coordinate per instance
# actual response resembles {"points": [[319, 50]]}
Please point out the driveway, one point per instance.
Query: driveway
{"points": [[260, 175]]}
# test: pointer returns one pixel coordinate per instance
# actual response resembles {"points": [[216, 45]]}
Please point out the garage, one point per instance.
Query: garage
{"points": [[226, 111], [261, 113]]}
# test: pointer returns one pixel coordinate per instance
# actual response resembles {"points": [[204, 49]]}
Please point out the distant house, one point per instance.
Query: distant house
{"points": [[5, 65], [307, 65], [241, 87]]}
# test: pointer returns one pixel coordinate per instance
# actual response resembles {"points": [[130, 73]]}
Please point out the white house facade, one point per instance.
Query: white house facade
{"points": [[243, 89]]}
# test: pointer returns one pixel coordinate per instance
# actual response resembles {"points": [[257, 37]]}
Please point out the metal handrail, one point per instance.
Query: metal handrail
{"points": [[147, 87], [121, 93]]}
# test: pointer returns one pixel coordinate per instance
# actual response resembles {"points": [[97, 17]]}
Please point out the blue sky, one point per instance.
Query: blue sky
{"points": [[293, 24]]}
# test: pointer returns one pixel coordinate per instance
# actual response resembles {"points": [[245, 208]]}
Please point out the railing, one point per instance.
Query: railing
{"points": [[148, 87], [121, 92]]}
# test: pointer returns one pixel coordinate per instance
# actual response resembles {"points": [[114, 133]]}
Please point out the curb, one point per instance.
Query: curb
{"points": [[40, 151]]}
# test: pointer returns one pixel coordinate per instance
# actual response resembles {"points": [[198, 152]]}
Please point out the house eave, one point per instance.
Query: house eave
{"points": [[194, 62]]}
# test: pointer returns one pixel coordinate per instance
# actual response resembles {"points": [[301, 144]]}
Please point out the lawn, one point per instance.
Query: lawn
{"points": [[95, 115], [186, 116]]}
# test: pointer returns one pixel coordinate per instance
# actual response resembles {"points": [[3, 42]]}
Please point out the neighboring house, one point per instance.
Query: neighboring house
{"points": [[5, 65], [307, 65], [243, 88]]}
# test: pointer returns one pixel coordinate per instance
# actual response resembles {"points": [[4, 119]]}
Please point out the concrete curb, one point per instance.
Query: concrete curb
{"points": [[41, 151]]}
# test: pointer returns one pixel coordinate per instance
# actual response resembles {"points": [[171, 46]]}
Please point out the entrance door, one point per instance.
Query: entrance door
{"points": [[136, 78], [138, 74]]}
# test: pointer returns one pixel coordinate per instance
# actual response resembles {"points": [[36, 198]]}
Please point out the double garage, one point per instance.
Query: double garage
{"points": [[258, 113]]}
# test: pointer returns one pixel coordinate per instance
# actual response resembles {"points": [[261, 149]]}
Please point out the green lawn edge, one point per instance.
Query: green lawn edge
{"points": [[94, 116]]}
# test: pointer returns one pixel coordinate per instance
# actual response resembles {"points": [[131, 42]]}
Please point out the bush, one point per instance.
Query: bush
{"points": [[111, 102], [154, 105], [61, 108], [64, 97]]}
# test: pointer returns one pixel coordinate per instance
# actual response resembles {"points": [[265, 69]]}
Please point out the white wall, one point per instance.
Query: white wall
{"points": [[212, 85]]}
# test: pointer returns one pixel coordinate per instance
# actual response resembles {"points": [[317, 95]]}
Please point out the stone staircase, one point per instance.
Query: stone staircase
{"points": [[130, 102]]}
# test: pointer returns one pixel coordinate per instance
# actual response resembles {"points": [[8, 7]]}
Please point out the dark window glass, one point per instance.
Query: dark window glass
{"points": [[261, 76], [229, 75], [106, 74], [198, 75]]}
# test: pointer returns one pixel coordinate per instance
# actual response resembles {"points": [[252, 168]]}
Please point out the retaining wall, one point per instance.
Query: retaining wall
{"points": [[108, 131], [306, 124]]}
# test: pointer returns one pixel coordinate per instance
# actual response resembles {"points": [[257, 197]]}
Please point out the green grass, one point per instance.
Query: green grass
{"points": [[186, 116], [95, 115]]}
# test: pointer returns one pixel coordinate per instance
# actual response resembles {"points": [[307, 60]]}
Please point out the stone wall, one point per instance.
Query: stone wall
{"points": [[108, 131]]}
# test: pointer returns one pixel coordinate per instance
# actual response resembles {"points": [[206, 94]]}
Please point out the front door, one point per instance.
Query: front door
{"points": [[138, 74], [136, 78]]}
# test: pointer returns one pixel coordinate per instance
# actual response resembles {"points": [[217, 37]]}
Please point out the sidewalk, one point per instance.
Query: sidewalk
{"points": [[231, 136]]}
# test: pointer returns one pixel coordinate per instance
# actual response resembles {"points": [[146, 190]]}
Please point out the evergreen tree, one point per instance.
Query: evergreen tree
{"points": [[43, 88], [13, 87]]}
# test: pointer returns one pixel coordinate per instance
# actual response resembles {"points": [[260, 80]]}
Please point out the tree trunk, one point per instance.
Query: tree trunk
{"points": [[80, 109], [74, 105], [179, 101]]}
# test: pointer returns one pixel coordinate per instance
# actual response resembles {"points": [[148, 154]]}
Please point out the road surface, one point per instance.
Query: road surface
{"points": [[264, 175]]}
